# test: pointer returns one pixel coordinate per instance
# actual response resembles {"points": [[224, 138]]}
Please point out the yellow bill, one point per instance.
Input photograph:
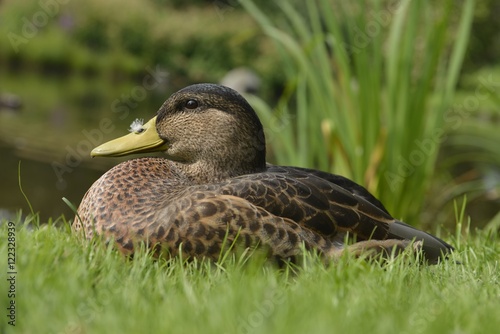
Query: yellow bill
{"points": [[143, 139]]}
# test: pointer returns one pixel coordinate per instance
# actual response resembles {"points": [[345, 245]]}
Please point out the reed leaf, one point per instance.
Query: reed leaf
{"points": [[373, 80]]}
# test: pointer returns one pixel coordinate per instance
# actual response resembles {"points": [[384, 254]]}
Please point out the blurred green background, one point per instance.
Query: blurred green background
{"points": [[401, 96]]}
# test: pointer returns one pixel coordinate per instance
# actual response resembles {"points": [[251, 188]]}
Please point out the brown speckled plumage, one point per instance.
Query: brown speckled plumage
{"points": [[214, 183]]}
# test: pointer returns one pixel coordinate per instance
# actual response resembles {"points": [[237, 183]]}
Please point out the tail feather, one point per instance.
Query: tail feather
{"points": [[433, 247]]}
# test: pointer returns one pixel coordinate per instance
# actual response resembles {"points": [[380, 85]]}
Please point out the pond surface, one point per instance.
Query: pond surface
{"points": [[60, 120]]}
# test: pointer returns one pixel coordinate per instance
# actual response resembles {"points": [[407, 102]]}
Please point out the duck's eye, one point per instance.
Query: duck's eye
{"points": [[191, 104]]}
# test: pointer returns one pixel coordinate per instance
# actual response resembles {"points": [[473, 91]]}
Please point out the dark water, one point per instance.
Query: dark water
{"points": [[40, 185], [61, 119]]}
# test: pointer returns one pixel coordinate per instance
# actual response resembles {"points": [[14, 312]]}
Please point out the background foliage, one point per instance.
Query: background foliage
{"points": [[374, 87]]}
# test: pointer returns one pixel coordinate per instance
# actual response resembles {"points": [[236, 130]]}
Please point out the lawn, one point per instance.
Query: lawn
{"points": [[65, 284]]}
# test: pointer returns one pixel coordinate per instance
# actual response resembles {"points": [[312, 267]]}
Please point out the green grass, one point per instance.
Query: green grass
{"points": [[68, 285]]}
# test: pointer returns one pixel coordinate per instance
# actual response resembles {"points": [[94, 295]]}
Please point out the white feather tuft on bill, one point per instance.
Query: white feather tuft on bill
{"points": [[136, 126]]}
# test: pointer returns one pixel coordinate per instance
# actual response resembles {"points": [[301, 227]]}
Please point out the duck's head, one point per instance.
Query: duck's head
{"points": [[203, 126]]}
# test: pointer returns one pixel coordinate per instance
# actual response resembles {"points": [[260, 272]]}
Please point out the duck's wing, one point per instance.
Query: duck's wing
{"points": [[339, 180], [314, 202], [396, 229], [310, 201]]}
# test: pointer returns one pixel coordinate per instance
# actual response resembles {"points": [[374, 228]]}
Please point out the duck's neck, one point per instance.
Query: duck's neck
{"points": [[203, 172]]}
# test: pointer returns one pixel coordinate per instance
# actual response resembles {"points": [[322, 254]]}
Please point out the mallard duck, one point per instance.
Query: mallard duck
{"points": [[213, 186]]}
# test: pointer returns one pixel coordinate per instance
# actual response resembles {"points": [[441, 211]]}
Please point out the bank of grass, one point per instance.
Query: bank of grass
{"points": [[68, 285]]}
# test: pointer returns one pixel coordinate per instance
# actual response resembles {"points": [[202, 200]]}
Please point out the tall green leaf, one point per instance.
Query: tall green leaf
{"points": [[372, 81]]}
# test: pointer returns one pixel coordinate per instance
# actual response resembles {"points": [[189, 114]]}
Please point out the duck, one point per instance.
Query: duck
{"points": [[211, 187]]}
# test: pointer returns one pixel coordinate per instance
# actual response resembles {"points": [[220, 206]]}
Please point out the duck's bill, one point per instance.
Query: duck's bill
{"points": [[143, 141]]}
